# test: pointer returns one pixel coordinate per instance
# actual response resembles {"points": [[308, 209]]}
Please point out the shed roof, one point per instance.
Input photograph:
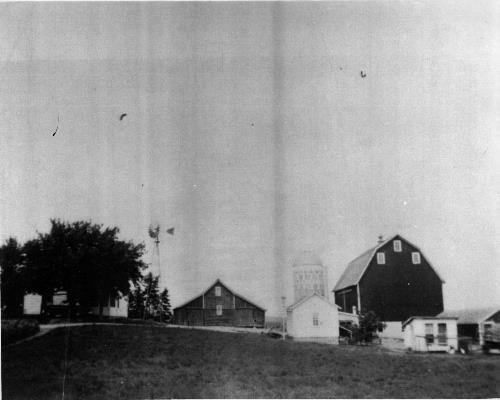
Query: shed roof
{"points": [[471, 315], [305, 299], [427, 318], [357, 267], [223, 284]]}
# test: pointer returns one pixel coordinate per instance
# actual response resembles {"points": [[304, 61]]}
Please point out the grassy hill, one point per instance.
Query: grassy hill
{"points": [[120, 362]]}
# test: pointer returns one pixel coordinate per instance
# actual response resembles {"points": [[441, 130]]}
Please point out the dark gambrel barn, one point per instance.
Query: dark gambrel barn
{"points": [[219, 305], [394, 280]]}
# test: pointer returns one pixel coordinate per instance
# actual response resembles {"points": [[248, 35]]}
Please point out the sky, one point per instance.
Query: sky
{"points": [[250, 130]]}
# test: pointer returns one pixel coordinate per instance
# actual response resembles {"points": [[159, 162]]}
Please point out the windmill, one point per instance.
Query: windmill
{"points": [[154, 233]]}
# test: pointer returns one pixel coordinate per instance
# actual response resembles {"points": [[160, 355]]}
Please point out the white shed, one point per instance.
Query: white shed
{"points": [[116, 307], [313, 318], [32, 304], [430, 334]]}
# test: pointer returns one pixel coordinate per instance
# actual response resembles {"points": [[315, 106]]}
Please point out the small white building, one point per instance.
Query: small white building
{"points": [[430, 334], [116, 307], [32, 304], [313, 318]]}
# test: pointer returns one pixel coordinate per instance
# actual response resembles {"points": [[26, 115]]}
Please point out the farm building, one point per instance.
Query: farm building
{"points": [[219, 305], [474, 323], [430, 334], [395, 280], [57, 305], [313, 318]]}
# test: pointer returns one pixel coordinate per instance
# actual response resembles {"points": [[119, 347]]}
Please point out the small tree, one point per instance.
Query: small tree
{"points": [[146, 301], [369, 324]]}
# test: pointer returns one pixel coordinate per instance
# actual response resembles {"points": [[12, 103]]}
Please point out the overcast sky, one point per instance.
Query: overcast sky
{"points": [[251, 130]]}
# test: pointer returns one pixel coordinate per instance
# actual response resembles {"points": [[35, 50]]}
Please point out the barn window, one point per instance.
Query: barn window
{"points": [[218, 309], [415, 257], [380, 258], [217, 291], [397, 246], [315, 319]]}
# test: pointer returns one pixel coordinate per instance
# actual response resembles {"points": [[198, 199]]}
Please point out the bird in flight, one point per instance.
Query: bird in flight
{"points": [[363, 74], [123, 116], [57, 128]]}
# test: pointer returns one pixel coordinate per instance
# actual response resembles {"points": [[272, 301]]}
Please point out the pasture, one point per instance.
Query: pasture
{"points": [[132, 362]]}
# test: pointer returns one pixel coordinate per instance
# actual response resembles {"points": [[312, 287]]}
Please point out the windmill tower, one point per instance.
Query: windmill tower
{"points": [[154, 233]]}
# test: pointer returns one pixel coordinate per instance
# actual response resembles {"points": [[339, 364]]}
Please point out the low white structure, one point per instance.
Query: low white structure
{"points": [[430, 334], [313, 318], [116, 307], [32, 304]]}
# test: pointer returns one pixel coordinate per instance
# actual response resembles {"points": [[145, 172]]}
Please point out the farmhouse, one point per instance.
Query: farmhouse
{"points": [[219, 305], [430, 334], [395, 280], [474, 323]]}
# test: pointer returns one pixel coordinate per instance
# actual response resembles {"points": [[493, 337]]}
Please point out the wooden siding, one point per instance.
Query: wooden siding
{"points": [[399, 289], [236, 311]]}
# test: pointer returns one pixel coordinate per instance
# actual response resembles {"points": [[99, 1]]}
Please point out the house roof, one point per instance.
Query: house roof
{"points": [[471, 315], [223, 284], [357, 267], [305, 299], [426, 318]]}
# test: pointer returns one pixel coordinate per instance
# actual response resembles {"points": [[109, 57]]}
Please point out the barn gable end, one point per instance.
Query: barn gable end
{"points": [[393, 279], [219, 305]]}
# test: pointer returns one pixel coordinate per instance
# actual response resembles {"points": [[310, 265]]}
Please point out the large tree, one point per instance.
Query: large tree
{"points": [[12, 277], [86, 260]]}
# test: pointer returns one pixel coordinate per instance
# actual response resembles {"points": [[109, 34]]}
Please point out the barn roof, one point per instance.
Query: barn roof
{"points": [[357, 267], [471, 315], [223, 284], [302, 301]]}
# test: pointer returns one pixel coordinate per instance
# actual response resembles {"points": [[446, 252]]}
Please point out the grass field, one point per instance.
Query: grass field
{"points": [[120, 362]]}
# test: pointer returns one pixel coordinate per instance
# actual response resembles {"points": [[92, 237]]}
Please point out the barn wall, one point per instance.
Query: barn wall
{"points": [[400, 289], [226, 297], [351, 299], [244, 314]]}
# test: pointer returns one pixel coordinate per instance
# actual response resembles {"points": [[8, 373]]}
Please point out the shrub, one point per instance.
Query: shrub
{"points": [[14, 330]]}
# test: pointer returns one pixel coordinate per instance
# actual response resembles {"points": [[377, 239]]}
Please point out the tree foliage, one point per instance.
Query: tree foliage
{"points": [[12, 277], [369, 324], [86, 260], [146, 301]]}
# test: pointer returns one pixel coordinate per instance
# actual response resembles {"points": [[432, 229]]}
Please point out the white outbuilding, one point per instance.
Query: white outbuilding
{"points": [[313, 318], [430, 334]]}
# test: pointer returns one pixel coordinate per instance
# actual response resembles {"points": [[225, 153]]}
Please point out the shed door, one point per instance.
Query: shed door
{"points": [[442, 336]]}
